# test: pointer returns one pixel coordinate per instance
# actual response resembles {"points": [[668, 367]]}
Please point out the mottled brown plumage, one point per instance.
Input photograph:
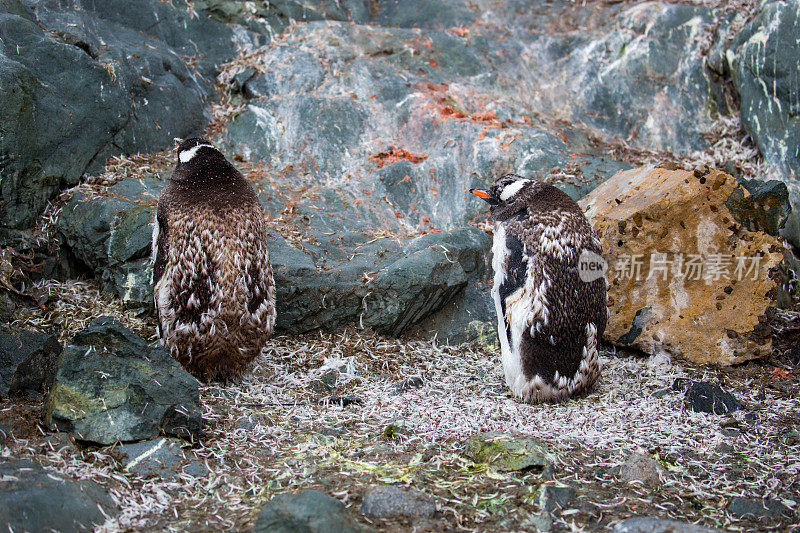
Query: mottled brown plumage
{"points": [[213, 284], [550, 320]]}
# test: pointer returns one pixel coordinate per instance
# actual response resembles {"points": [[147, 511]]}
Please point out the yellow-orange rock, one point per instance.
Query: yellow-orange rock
{"points": [[684, 275]]}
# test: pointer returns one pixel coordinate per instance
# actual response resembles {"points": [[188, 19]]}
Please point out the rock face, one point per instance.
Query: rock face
{"points": [[128, 89], [684, 274], [32, 499], [763, 62], [111, 386], [639, 76], [28, 361], [310, 511]]}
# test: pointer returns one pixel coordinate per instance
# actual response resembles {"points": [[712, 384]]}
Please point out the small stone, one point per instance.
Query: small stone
{"points": [[396, 428], [35, 499], [704, 397], [343, 401], [758, 509], [389, 500], [552, 498], [641, 468], [405, 385], [158, 456], [507, 452], [648, 524], [309, 511]]}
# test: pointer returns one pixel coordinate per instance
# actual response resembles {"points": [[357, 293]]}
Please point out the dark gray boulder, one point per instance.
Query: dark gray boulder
{"points": [[34, 499], [28, 361], [309, 511], [704, 397], [112, 386], [81, 81], [763, 60]]}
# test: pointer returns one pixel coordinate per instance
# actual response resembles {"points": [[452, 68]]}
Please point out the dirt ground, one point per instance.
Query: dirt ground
{"points": [[274, 432]]}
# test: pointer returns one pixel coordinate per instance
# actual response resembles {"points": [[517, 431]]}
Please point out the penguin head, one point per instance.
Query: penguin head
{"points": [[196, 153], [509, 194]]}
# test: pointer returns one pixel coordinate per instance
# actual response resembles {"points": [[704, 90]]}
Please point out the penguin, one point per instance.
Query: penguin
{"points": [[212, 279], [551, 314]]}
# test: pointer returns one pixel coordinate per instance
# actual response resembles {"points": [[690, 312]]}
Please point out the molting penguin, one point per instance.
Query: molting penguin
{"points": [[214, 291], [551, 313]]}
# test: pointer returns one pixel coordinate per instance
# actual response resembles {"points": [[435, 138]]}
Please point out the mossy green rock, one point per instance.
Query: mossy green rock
{"points": [[507, 452], [112, 386]]}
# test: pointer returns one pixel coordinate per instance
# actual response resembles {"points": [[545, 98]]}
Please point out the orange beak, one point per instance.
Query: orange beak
{"points": [[480, 193], [177, 141]]}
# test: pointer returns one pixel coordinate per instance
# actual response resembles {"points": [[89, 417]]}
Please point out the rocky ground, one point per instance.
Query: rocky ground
{"points": [[351, 411], [380, 404]]}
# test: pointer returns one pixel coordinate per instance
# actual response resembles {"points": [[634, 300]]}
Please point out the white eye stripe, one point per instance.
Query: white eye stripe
{"points": [[511, 190], [187, 155]]}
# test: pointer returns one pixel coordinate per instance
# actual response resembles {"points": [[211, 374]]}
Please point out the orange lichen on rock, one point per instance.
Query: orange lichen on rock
{"points": [[393, 155]]}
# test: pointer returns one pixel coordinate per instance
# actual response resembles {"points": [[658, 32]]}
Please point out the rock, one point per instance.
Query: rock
{"points": [[758, 508], [34, 499], [112, 235], [310, 511], [159, 456], [405, 385], [683, 275], [396, 428], [342, 401], [704, 397], [508, 452], [765, 209], [552, 498], [390, 501], [649, 524], [128, 89], [639, 76], [28, 361], [642, 469], [763, 62], [111, 386], [5, 434]]}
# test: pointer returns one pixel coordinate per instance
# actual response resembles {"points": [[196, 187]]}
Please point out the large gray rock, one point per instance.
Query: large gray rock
{"points": [[764, 60], [640, 77], [33, 499], [307, 511], [28, 361], [81, 81], [111, 386]]}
